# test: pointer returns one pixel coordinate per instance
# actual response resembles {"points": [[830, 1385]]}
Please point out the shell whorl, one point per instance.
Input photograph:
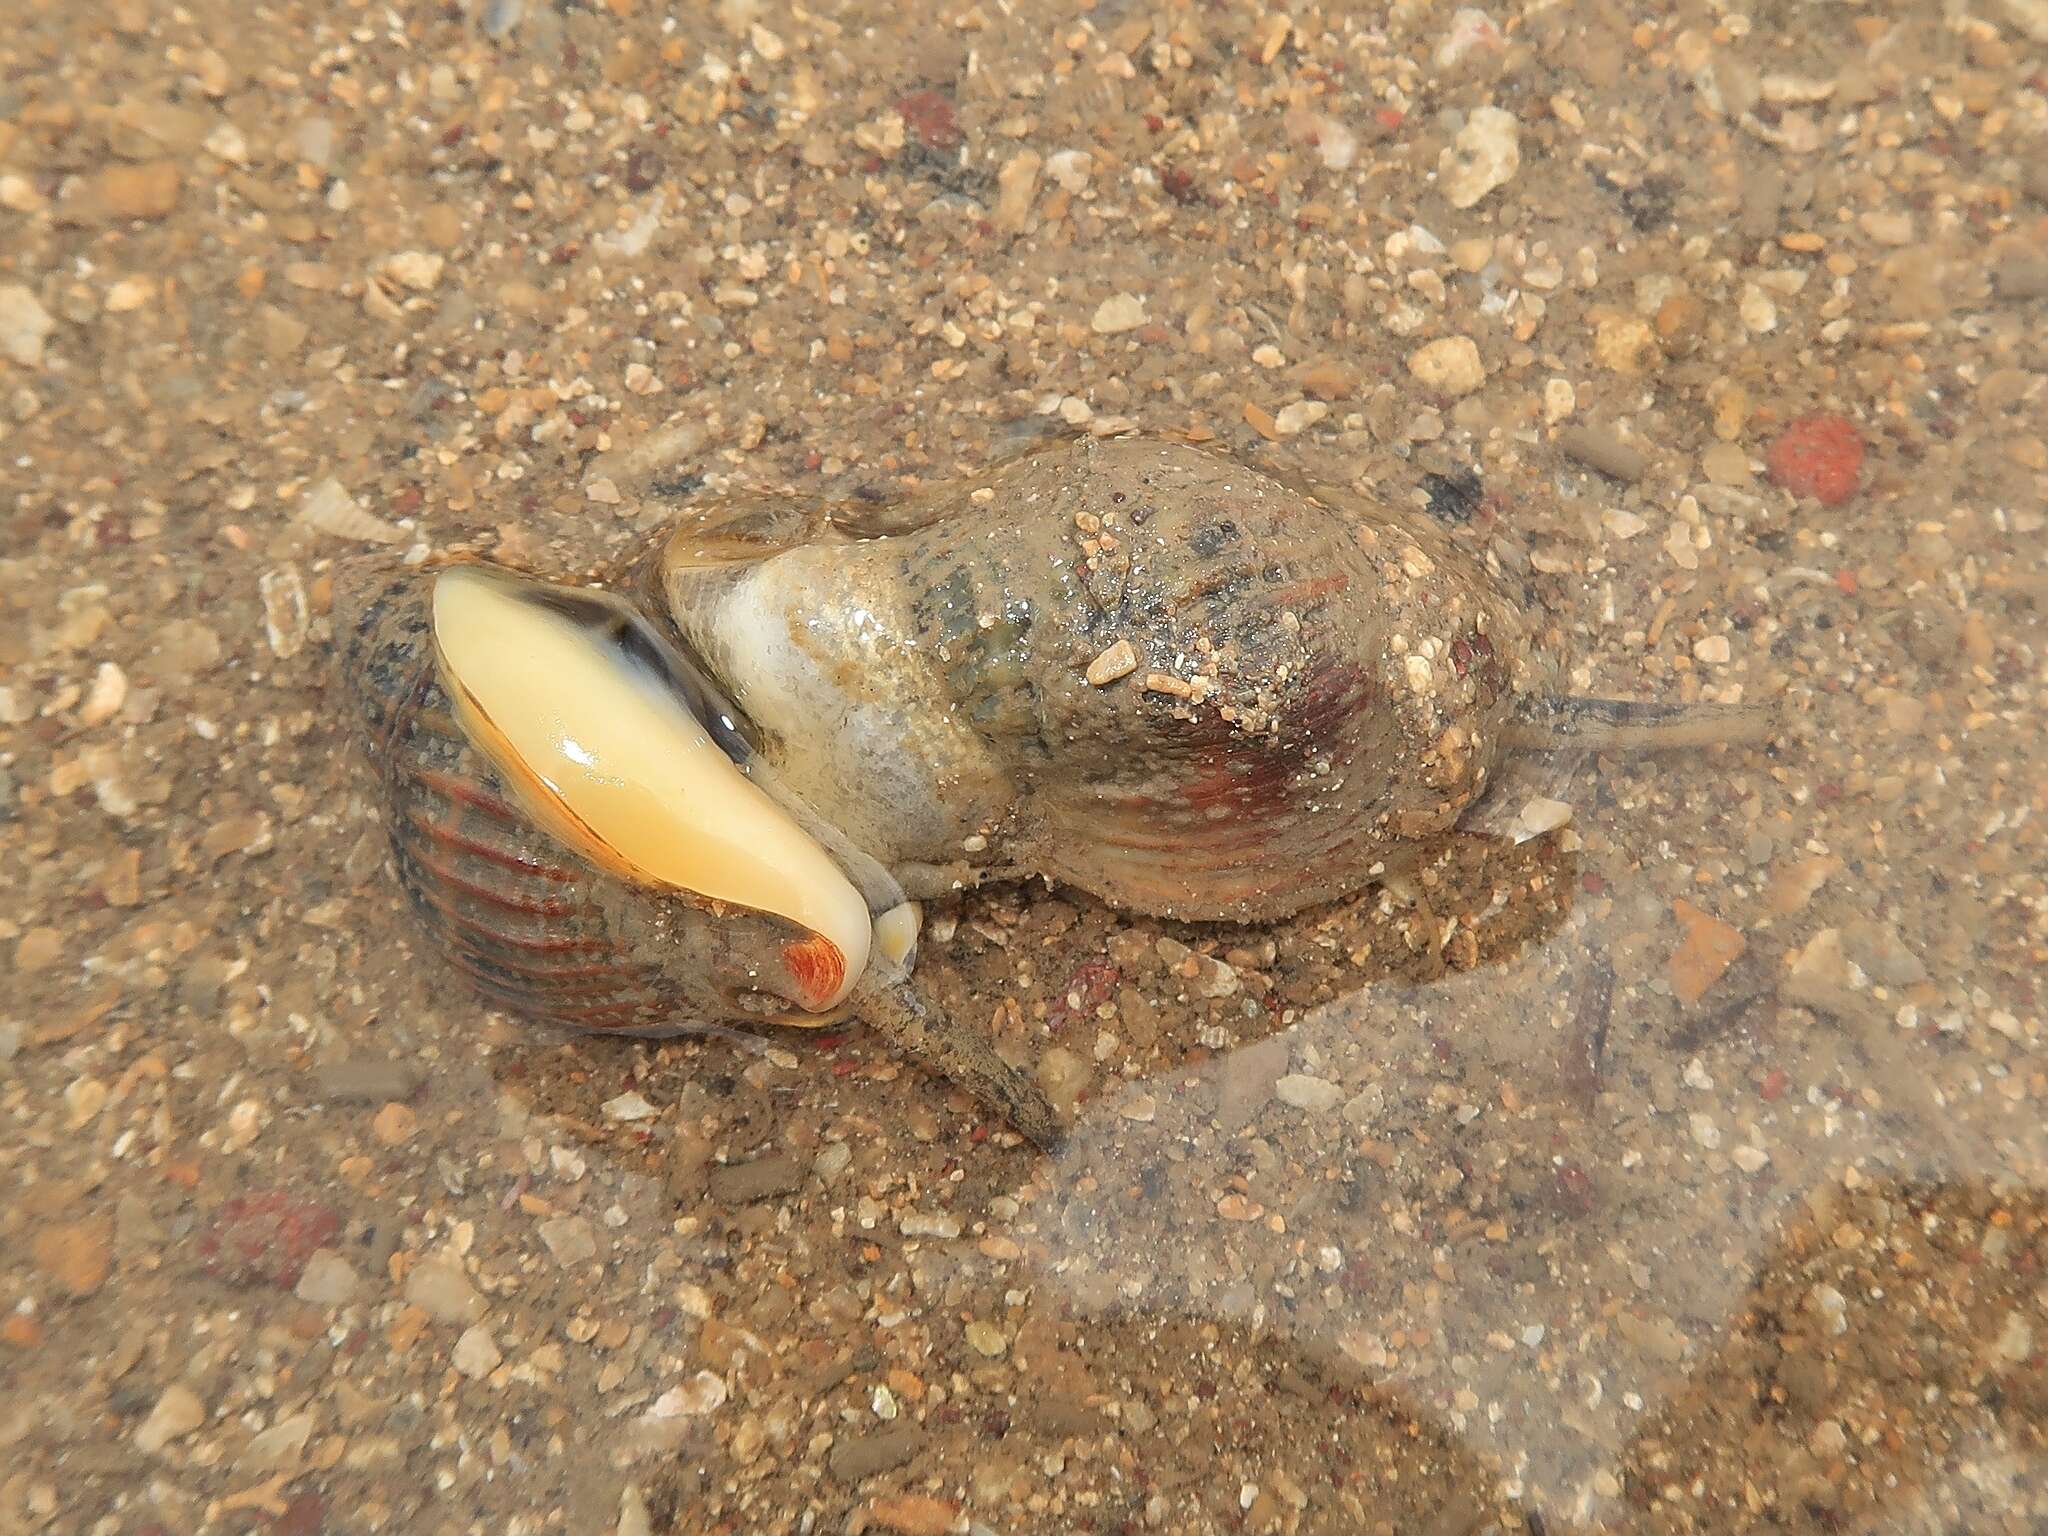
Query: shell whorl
{"points": [[1316, 680]]}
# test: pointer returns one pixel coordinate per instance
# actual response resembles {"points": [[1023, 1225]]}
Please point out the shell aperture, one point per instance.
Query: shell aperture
{"points": [[575, 700]]}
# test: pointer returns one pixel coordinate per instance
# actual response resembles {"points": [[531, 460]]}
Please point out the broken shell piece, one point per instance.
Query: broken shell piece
{"points": [[1540, 815], [329, 508], [593, 723]]}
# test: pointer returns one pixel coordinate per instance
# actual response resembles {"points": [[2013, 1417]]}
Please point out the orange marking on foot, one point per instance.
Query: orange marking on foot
{"points": [[817, 967]]}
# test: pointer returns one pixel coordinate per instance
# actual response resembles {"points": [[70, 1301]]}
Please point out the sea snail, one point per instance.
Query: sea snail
{"points": [[716, 788]]}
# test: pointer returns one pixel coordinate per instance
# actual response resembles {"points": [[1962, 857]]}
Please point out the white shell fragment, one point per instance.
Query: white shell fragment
{"points": [[284, 610], [613, 764], [329, 508], [1539, 815]]}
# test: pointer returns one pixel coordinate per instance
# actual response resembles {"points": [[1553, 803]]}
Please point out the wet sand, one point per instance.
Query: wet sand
{"points": [[1677, 1170]]}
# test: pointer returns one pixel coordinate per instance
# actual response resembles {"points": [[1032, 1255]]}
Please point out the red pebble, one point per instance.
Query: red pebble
{"points": [[266, 1237], [1773, 1085], [1819, 455], [929, 115]]}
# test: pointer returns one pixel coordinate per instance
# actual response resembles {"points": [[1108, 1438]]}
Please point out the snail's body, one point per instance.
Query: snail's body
{"points": [[1316, 687]]}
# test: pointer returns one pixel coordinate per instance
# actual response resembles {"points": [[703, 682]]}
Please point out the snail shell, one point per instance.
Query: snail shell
{"points": [[1310, 683], [583, 902], [1130, 666]]}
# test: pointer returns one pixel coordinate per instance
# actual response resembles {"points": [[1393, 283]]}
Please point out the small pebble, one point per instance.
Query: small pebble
{"points": [[1726, 464], [570, 1239], [2021, 275], [832, 1160], [24, 325], [1817, 977], [761, 1179], [327, 1280], [1792, 886], [913, 1514], [1624, 343], [501, 17], [1119, 313], [129, 295], [1328, 381], [104, 699], [147, 191], [1117, 660], [283, 596], [394, 1124], [476, 1352], [1600, 448], [1016, 183], [75, 1256], [1450, 365], [1710, 946], [1298, 417], [698, 1395], [856, 1460], [177, 1413], [1062, 1075], [1485, 155], [439, 1288], [1315, 1094], [1071, 168], [277, 1447], [364, 1082], [634, 1517], [629, 1107], [1471, 31], [39, 949], [2015, 1341]]}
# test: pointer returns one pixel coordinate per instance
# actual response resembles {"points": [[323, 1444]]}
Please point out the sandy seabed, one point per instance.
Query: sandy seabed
{"points": [[1678, 1170]]}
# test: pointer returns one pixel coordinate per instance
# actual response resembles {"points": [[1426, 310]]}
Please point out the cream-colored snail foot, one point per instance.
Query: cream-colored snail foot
{"points": [[962, 1053]]}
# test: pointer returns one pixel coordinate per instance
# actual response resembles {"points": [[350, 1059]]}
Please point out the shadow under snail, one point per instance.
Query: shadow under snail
{"points": [[716, 788]]}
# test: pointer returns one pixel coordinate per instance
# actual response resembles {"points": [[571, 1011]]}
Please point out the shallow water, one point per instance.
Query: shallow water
{"points": [[1678, 1169]]}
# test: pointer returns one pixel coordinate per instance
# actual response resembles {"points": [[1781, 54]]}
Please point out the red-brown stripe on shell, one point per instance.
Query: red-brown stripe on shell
{"points": [[538, 932]]}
